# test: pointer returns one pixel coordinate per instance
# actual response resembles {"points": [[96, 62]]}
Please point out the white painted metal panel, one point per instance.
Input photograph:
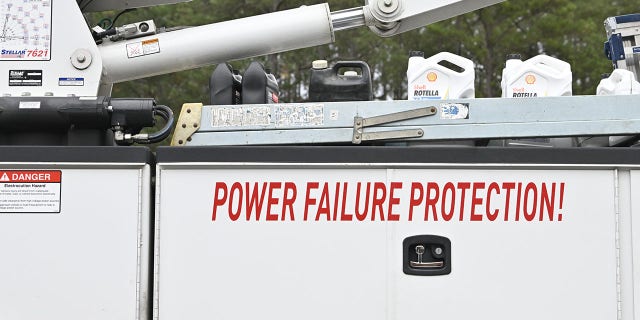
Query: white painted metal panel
{"points": [[268, 269], [86, 262], [516, 269], [634, 276], [525, 268]]}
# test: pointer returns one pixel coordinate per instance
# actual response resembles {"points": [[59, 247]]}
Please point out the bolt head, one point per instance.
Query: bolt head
{"points": [[388, 6], [80, 59]]}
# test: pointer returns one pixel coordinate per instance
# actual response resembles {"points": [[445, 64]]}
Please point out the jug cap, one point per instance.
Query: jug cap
{"points": [[319, 64], [416, 54], [514, 56]]}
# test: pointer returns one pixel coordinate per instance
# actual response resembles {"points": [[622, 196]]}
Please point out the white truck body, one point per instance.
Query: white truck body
{"points": [[76, 243], [535, 233]]}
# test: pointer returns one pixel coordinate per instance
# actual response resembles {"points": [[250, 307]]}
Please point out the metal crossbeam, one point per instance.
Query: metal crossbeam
{"points": [[492, 118]]}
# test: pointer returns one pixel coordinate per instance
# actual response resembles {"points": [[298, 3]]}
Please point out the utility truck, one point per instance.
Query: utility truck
{"points": [[294, 220]]}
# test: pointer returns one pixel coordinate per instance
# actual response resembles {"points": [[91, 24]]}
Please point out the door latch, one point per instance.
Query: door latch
{"points": [[426, 255]]}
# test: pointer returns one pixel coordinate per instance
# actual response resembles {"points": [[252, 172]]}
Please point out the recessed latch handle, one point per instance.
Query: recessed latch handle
{"points": [[424, 265], [426, 255]]}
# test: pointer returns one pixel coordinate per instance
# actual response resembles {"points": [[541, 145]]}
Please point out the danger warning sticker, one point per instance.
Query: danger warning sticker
{"points": [[30, 191], [143, 48]]}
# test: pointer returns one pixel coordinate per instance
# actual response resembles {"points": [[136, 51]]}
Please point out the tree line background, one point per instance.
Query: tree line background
{"points": [[569, 30]]}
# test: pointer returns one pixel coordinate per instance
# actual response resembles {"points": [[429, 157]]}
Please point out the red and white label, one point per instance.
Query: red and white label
{"points": [[30, 191], [143, 48], [389, 201]]}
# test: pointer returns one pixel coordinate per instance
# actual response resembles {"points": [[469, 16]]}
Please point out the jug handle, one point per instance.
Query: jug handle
{"points": [[366, 72], [551, 62], [463, 63]]}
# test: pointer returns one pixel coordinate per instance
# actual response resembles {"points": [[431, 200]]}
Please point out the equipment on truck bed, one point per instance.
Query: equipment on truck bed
{"points": [[38, 74], [46, 56], [286, 232], [623, 44]]}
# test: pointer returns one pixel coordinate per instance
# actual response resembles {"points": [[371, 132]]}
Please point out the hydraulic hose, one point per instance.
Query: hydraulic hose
{"points": [[165, 113]]}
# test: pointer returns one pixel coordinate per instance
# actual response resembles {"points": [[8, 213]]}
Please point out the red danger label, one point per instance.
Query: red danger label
{"points": [[30, 191], [26, 176]]}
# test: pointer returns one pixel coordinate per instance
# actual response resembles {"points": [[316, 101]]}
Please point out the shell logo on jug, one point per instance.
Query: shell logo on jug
{"points": [[530, 79], [432, 76]]}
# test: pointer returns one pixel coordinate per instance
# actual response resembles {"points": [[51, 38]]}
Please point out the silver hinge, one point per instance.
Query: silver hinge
{"points": [[360, 123]]}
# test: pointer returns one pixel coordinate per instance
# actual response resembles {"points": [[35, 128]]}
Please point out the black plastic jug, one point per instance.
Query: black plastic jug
{"points": [[225, 86], [328, 85], [259, 86]]}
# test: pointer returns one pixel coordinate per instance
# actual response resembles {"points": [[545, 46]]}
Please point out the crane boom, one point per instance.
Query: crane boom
{"points": [[281, 31], [391, 17]]}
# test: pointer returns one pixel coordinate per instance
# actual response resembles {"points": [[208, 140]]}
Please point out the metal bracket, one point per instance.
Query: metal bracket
{"points": [[188, 123], [360, 123]]}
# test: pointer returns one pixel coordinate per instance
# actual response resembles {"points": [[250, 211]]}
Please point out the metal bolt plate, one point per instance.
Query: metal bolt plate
{"points": [[81, 59]]}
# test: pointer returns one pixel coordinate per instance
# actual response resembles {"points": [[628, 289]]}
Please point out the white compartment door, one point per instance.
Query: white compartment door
{"points": [[508, 258], [289, 263]]}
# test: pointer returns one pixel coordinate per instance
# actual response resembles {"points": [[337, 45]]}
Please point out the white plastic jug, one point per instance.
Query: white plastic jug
{"points": [[620, 82], [540, 76], [432, 79]]}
